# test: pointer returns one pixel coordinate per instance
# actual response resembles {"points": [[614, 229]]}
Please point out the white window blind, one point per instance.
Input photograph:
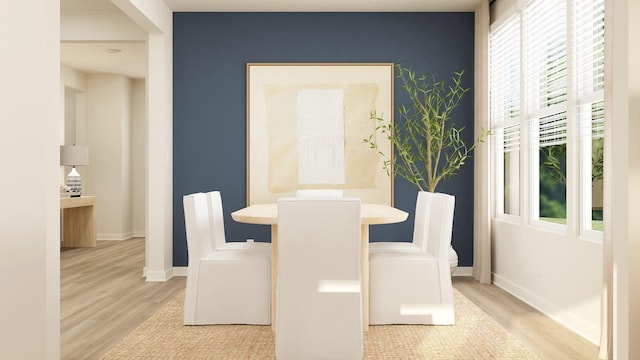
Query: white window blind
{"points": [[552, 129], [589, 46], [511, 138], [545, 38], [505, 73], [589, 55]]}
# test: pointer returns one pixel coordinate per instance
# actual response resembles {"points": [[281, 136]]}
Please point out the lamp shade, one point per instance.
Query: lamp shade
{"points": [[74, 155]]}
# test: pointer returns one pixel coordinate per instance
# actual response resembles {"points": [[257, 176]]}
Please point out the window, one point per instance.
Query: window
{"points": [[545, 46], [589, 56], [546, 86], [505, 113]]}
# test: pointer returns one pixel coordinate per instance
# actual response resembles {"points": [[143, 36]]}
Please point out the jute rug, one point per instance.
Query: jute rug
{"points": [[475, 336]]}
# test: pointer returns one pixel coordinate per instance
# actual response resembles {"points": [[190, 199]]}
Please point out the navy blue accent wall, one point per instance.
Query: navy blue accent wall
{"points": [[210, 53]]}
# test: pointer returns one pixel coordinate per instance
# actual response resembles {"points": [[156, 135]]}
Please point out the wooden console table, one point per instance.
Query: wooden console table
{"points": [[78, 221]]}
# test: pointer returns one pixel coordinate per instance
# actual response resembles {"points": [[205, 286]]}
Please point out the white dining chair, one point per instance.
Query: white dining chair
{"points": [[414, 287], [223, 286], [319, 292], [217, 227], [420, 227], [306, 193]]}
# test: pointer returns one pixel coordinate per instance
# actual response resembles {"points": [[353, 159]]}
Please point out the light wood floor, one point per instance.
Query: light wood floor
{"points": [[104, 297]]}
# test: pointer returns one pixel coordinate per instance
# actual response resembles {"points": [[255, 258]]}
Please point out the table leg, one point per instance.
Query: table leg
{"points": [[274, 273], [364, 274], [79, 227]]}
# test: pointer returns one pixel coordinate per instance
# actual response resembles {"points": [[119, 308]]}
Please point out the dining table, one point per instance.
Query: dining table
{"points": [[370, 214]]}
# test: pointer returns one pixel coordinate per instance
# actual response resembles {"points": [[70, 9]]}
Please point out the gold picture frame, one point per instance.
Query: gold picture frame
{"points": [[305, 128]]}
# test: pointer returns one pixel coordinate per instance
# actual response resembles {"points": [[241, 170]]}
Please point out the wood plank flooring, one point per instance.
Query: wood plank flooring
{"points": [[103, 297], [546, 337]]}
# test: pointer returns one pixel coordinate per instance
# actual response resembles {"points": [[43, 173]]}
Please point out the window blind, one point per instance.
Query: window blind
{"points": [[511, 138], [545, 36], [505, 73], [589, 59], [552, 129]]}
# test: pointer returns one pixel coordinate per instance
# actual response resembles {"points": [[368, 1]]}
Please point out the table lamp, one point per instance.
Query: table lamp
{"points": [[74, 155]]}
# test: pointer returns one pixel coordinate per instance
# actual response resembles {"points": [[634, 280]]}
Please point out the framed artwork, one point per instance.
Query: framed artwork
{"points": [[305, 128]]}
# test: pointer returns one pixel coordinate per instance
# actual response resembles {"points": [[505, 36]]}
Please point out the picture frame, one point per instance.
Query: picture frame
{"points": [[306, 125]]}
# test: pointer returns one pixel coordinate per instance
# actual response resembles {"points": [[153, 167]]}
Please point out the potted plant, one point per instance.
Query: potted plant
{"points": [[427, 142]]}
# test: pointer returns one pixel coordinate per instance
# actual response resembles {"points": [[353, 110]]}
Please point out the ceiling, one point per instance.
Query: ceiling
{"points": [[100, 57]]}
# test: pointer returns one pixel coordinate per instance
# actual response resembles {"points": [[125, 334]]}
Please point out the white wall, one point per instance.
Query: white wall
{"points": [[108, 114], [138, 157], [98, 26], [30, 113], [73, 126], [623, 131], [559, 275]]}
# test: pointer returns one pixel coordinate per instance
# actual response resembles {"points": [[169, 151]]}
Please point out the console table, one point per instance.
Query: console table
{"points": [[78, 221]]}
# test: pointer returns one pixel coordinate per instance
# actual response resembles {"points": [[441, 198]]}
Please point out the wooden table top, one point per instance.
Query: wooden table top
{"points": [[267, 214]]}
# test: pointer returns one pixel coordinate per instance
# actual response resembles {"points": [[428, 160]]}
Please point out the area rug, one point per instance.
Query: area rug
{"points": [[475, 336]]}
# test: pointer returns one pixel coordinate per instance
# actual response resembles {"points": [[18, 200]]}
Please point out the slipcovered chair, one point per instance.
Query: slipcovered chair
{"points": [[217, 227], [223, 286], [332, 193], [420, 227], [421, 221], [319, 292], [414, 287]]}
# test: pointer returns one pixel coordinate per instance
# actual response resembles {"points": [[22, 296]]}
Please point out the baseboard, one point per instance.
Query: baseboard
{"points": [[179, 271], [139, 234], [117, 237], [463, 271], [562, 316], [159, 275]]}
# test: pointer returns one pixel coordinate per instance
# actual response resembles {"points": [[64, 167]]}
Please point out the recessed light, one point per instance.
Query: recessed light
{"points": [[113, 50]]}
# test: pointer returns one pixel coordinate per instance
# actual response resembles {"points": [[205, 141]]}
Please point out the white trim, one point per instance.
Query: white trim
{"points": [[180, 271], [118, 237], [160, 275], [501, 11], [574, 323], [560, 229], [463, 271], [512, 219]]}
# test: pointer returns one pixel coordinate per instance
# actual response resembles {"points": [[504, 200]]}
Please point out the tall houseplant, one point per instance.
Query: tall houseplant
{"points": [[427, 142]]}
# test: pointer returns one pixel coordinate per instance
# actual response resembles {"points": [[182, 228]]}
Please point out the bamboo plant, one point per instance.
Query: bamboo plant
{"points": [[428, 144]]}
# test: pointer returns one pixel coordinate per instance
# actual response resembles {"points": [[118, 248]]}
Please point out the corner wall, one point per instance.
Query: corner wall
{"points": [[31, 113]]}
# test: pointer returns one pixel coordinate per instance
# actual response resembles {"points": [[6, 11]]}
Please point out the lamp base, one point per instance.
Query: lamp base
{"points": [[74, 182]]}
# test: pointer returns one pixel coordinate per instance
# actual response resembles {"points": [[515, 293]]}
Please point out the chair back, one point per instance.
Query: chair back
{"points": [[440, 226], [319, 303], [217, 219], [424, 202], [198, 226], [307, 193]]}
